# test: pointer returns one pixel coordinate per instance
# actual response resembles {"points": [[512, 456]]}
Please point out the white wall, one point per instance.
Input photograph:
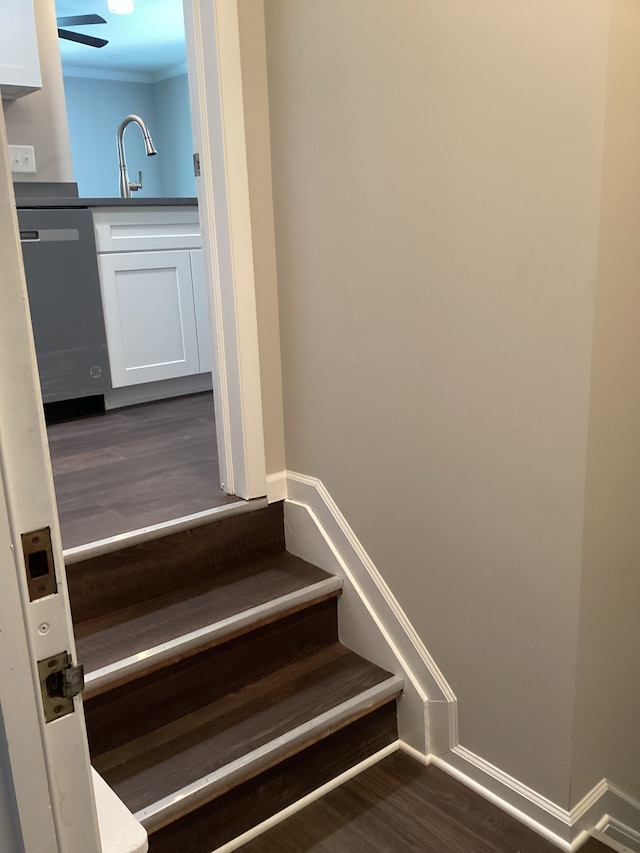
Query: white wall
{"points": [[436, 172], [40, 119], [608, 694]]}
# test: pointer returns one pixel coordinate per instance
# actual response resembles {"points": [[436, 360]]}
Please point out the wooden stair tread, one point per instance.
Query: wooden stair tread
{"points": [[229, 815], [136, 573], [217, 604], [168, 761]]}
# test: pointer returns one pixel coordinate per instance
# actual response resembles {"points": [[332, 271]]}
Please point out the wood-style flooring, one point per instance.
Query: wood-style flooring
{"points": [[134, 467], [400, 806]]}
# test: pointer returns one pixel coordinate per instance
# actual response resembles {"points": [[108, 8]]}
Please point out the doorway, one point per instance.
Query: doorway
{"points": [[152, 457], [49, 764]]}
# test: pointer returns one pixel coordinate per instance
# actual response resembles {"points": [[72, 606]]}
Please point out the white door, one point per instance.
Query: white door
{"points": [[48, 761], [149, 316]]}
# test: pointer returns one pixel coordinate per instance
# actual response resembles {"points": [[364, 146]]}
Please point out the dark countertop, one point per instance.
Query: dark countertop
{"points": [[52, 202], [38, 194]]}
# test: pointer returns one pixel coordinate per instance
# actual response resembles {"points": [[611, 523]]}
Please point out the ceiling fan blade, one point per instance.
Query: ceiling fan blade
{"points": [[79, 20], [82, 39]]}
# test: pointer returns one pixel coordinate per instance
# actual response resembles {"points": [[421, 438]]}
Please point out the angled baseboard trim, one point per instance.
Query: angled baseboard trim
{"points": [[376, 625], [371, 619], [620, 824], [567, 830]]}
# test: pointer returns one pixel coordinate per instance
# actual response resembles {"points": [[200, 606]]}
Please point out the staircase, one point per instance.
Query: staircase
{"points": [[217, 690]]}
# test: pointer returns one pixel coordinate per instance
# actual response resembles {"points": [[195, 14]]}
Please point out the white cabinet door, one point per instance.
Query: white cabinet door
{"points": [[201, 303], [19, 62], [149, 316]]}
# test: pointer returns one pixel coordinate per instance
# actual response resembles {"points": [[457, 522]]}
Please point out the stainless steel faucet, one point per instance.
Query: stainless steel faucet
{"points": [[127, 186]]}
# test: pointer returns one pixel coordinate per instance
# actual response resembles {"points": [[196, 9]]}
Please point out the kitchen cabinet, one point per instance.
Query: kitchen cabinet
{"points": [[19, 60], [154, 301], [201, 305]]}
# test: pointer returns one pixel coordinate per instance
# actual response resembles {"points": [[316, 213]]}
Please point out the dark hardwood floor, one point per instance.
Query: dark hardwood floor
{"points": [[399, 806], [135, 467]]}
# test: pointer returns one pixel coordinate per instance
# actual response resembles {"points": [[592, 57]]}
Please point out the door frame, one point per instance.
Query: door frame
{"points": [[49, 763], [218, 123]]}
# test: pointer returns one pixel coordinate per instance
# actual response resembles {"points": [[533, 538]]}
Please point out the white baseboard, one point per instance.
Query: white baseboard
{"points": [[371, 621], [522, 802], [620, 822], [277, 486], [373, 624]]}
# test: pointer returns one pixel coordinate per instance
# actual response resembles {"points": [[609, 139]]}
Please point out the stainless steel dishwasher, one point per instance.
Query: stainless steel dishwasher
{"points": [[59, 251]]}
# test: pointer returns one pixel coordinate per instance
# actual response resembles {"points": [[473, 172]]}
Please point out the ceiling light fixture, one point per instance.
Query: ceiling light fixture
{"points": [[120, 7]]}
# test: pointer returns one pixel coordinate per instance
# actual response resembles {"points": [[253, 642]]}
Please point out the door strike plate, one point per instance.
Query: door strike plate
{"points": [[38, 561], [59, 683]]}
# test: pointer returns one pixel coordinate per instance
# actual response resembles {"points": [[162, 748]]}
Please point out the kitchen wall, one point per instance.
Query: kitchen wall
{"points": [[436, 172], [173, 137], [608, 686], [163, 105], [40, 119], [93, 135]]}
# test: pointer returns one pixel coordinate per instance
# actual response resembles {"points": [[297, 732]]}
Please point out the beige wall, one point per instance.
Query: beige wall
{"points": [[436, 174], [40, 119], [608, 687], [256, 100]]}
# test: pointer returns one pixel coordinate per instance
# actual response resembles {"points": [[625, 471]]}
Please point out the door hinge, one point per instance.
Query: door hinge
{"points": [[59, 683], [196, 165]]}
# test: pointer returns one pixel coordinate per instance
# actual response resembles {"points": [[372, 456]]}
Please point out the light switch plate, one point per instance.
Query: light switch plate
{"points": [[22, 158]]}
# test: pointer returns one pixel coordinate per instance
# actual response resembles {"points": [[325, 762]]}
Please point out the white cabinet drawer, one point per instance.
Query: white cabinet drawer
{"points": [[137, 230]]}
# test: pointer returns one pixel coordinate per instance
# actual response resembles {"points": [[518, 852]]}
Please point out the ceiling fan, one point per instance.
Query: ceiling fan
{"points": [[79, 21]]}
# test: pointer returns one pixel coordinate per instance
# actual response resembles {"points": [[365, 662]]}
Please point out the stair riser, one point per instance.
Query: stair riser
{"points": [[132, 710], [128, 669], [252, 802], [120, 579]]}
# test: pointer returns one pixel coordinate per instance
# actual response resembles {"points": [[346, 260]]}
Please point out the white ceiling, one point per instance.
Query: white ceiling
{"points": [[146, 42]]}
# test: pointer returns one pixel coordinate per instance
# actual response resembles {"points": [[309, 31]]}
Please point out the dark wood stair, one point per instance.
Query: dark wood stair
{"points": [[217, 690]]}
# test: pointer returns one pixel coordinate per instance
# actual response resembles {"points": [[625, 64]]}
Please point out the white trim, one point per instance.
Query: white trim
{"points": [[161, 74], [106, 74], [277, 487], [344, 555], [148, 77], [307, 800], [156, 531], [568, 830], [616, 835], [120, 832], [218, 116], [371, 620], [312, 492], [522, 802], [267, 754], [51, 779]]}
